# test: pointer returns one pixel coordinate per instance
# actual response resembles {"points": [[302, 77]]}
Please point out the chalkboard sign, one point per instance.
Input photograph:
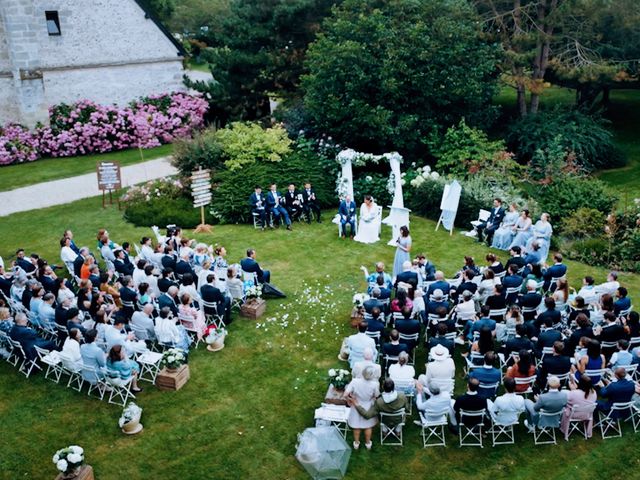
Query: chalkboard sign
{"points": [[109, 176]]}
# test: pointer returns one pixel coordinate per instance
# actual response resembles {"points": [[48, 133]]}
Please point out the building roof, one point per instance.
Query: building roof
{"points": [[148, 13]]}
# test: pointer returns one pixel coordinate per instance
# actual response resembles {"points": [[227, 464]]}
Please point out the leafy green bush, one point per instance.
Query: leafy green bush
{"points": [[465, 151], [204, 150], [592, 251], [374, 184], [567, 194], [230, 203], [574, 132], [164, 211], [584, 223]]}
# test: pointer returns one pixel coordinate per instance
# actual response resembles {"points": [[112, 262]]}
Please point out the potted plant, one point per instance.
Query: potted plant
{"points": [[69, 461], [357, 314], [129, 421], [173, 358], [254, 306], [215, 338], [339, 378]]}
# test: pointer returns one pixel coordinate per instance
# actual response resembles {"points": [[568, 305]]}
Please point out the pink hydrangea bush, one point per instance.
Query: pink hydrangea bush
{"points": [[17, 145], [86, 127]]}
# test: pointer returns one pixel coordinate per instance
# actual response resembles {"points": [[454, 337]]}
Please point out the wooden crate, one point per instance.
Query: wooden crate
{"points": [[172, 380], [335, 397], [86, 473], [253, 309]]}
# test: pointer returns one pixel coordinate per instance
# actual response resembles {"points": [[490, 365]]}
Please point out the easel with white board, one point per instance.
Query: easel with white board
{"points": [[449, 205]]}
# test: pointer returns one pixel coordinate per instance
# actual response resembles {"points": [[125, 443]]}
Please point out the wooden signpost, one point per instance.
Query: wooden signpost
{"points": [[201, 192], [109, 179]]}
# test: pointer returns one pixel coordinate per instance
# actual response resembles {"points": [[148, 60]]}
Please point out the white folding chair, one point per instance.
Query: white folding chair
{"points": [[237, 295], [333, 415], [470, 434], [120, 389], [546, 434], [52, 361], [473, 360], [580, 418], [610, 421], [490, 388], [483, 216], [498, 313], [392, 435], [634, 342], [149, 365], [18, 354], [374, 335], [189, 325], [214, 319], [502, 433], [528, 381], [95, 382], [14, 356], [410, 339], [406, 386], [433, 428], [596, 374], [545, 351], [73, 371]]}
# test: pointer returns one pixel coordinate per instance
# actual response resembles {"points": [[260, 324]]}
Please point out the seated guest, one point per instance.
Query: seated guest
{"points": [[440, 284], [6, 321], [258, 204], [385, 293], [550, 312], [557, 270], [621, 358], [120, 264], [275, 205], [487, 285], [165, 282], [581, 394], [139, 274], [250, 265], [471, 401], [183, 266], [376, 322], [212, 294], [469, 264], [347, 215], [465, 311], [390, 401], [487, 375], [74, 321], [467, 283], [579, 307], [519, 342], [373, 301], [492, 223], [92, 356], [513, 317], [62, 312], [593, 360], [419, 308], [583, 330], [394, 347], [561, 293], [516, 259], [121, 369], [71, 358], [441, 367], [402, 370], [610, 331], [483, 322], [523, 368], [497, 300], [143, 320], [611, 285], [117, 335], [432, 405], [623, 303], [541, 238], [146, 296], [553, 402], [555, 364], [632, 324], [169, 299], [367, 361], [408, 326], [293, 202], [512, 281], [310, 203], [373, 278], [407, 276], [67, 254], [188, 312], [85, 270], [46, 312], [169, 332], [618, 391], [169, 258], [188, 286], [437, 301], [504, 235], [533, 271], [494, 264], [128, 297], [357, 344], [28, 337], [35, 302], [522, 230], [482, 345], [441, 339], [547, 336], [588, 290], [506, 409], [401, 301]]}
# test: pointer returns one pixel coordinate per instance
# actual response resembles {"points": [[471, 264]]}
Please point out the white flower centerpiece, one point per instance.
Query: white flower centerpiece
{"points": [[173, 358], [253, 292], [359, 299], [129, 421], [215, 338], [339, 378], [69, 460]]}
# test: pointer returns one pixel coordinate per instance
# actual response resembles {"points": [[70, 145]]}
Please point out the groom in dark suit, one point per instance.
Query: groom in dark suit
{"points": [[275, 203], [250, 265], [493, 222], [310, 202], [347, 212]]}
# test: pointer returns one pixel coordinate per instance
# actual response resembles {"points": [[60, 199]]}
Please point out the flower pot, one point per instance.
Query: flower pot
{"points": [[133, 426], [357, 316], [217, 344]]}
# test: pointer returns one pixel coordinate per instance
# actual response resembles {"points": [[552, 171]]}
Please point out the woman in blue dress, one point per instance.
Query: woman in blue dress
{"points": [[504, 235], [402, 251], [541, 231], [121, 369], [522, 230]]}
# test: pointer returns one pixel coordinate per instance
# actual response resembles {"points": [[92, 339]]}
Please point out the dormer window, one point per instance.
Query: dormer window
{"points": [[53, 23]]}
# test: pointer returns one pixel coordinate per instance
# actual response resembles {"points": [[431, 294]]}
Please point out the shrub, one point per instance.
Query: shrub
{"points": [[584, 136], [567, 194], [374, 184], [165, 211], [230, 203], [203, 150], [17, 145], [584, 223], [465, 151], [592, 251]]}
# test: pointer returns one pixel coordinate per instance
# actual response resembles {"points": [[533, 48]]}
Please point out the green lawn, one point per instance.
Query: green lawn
{"points": [[624, 114], [22, 175], [239, 414]]}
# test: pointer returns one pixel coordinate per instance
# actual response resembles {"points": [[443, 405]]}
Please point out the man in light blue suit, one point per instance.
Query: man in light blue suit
{"points": [[92, 356], [46, 312], [275, 204], [553, 402], [347, 212], [358, 343]]}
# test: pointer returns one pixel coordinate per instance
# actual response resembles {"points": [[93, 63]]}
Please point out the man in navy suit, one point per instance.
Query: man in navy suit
{"points": [[439, 284], [557, 270], [27, 265], [169, 299], [493, 222], [211, 294], [293, 202], [516, 258], [623, 302], [310, 202], [28, 338], [258, 204], [619, 391], [250, 265], [512, 280], [347, 212], [275, 203]]}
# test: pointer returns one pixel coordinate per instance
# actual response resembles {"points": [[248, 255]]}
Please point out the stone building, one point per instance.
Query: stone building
{"points": [[108, 51]]}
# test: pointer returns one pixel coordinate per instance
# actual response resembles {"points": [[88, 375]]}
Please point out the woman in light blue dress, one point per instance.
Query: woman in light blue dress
{"points": [[541, 231], [402, 251], [504, 235], [522, 230]]}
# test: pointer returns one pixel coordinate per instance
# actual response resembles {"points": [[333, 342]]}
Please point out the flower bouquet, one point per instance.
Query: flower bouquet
{"points": [[129, 421], [69, 460], [359, 299], [339, 378], [173, 358], [253, 291], [214, 337]]}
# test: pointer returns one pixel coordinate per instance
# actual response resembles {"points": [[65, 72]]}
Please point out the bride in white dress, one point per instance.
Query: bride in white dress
{"points": [[368, 226]]}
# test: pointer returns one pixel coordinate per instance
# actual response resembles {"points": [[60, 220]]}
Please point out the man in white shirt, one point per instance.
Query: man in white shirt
{"points": [[143, 321], [507, 408], [358, 343], [113, 335], [610, 286], [139, 274], [588, 290]]}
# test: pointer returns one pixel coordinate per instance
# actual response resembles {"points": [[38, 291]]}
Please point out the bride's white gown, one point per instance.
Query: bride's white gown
{"points": [[368, 226]]}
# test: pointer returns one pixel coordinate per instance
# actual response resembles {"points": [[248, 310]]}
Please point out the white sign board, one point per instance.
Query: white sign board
{"points": [[201, 188]]}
